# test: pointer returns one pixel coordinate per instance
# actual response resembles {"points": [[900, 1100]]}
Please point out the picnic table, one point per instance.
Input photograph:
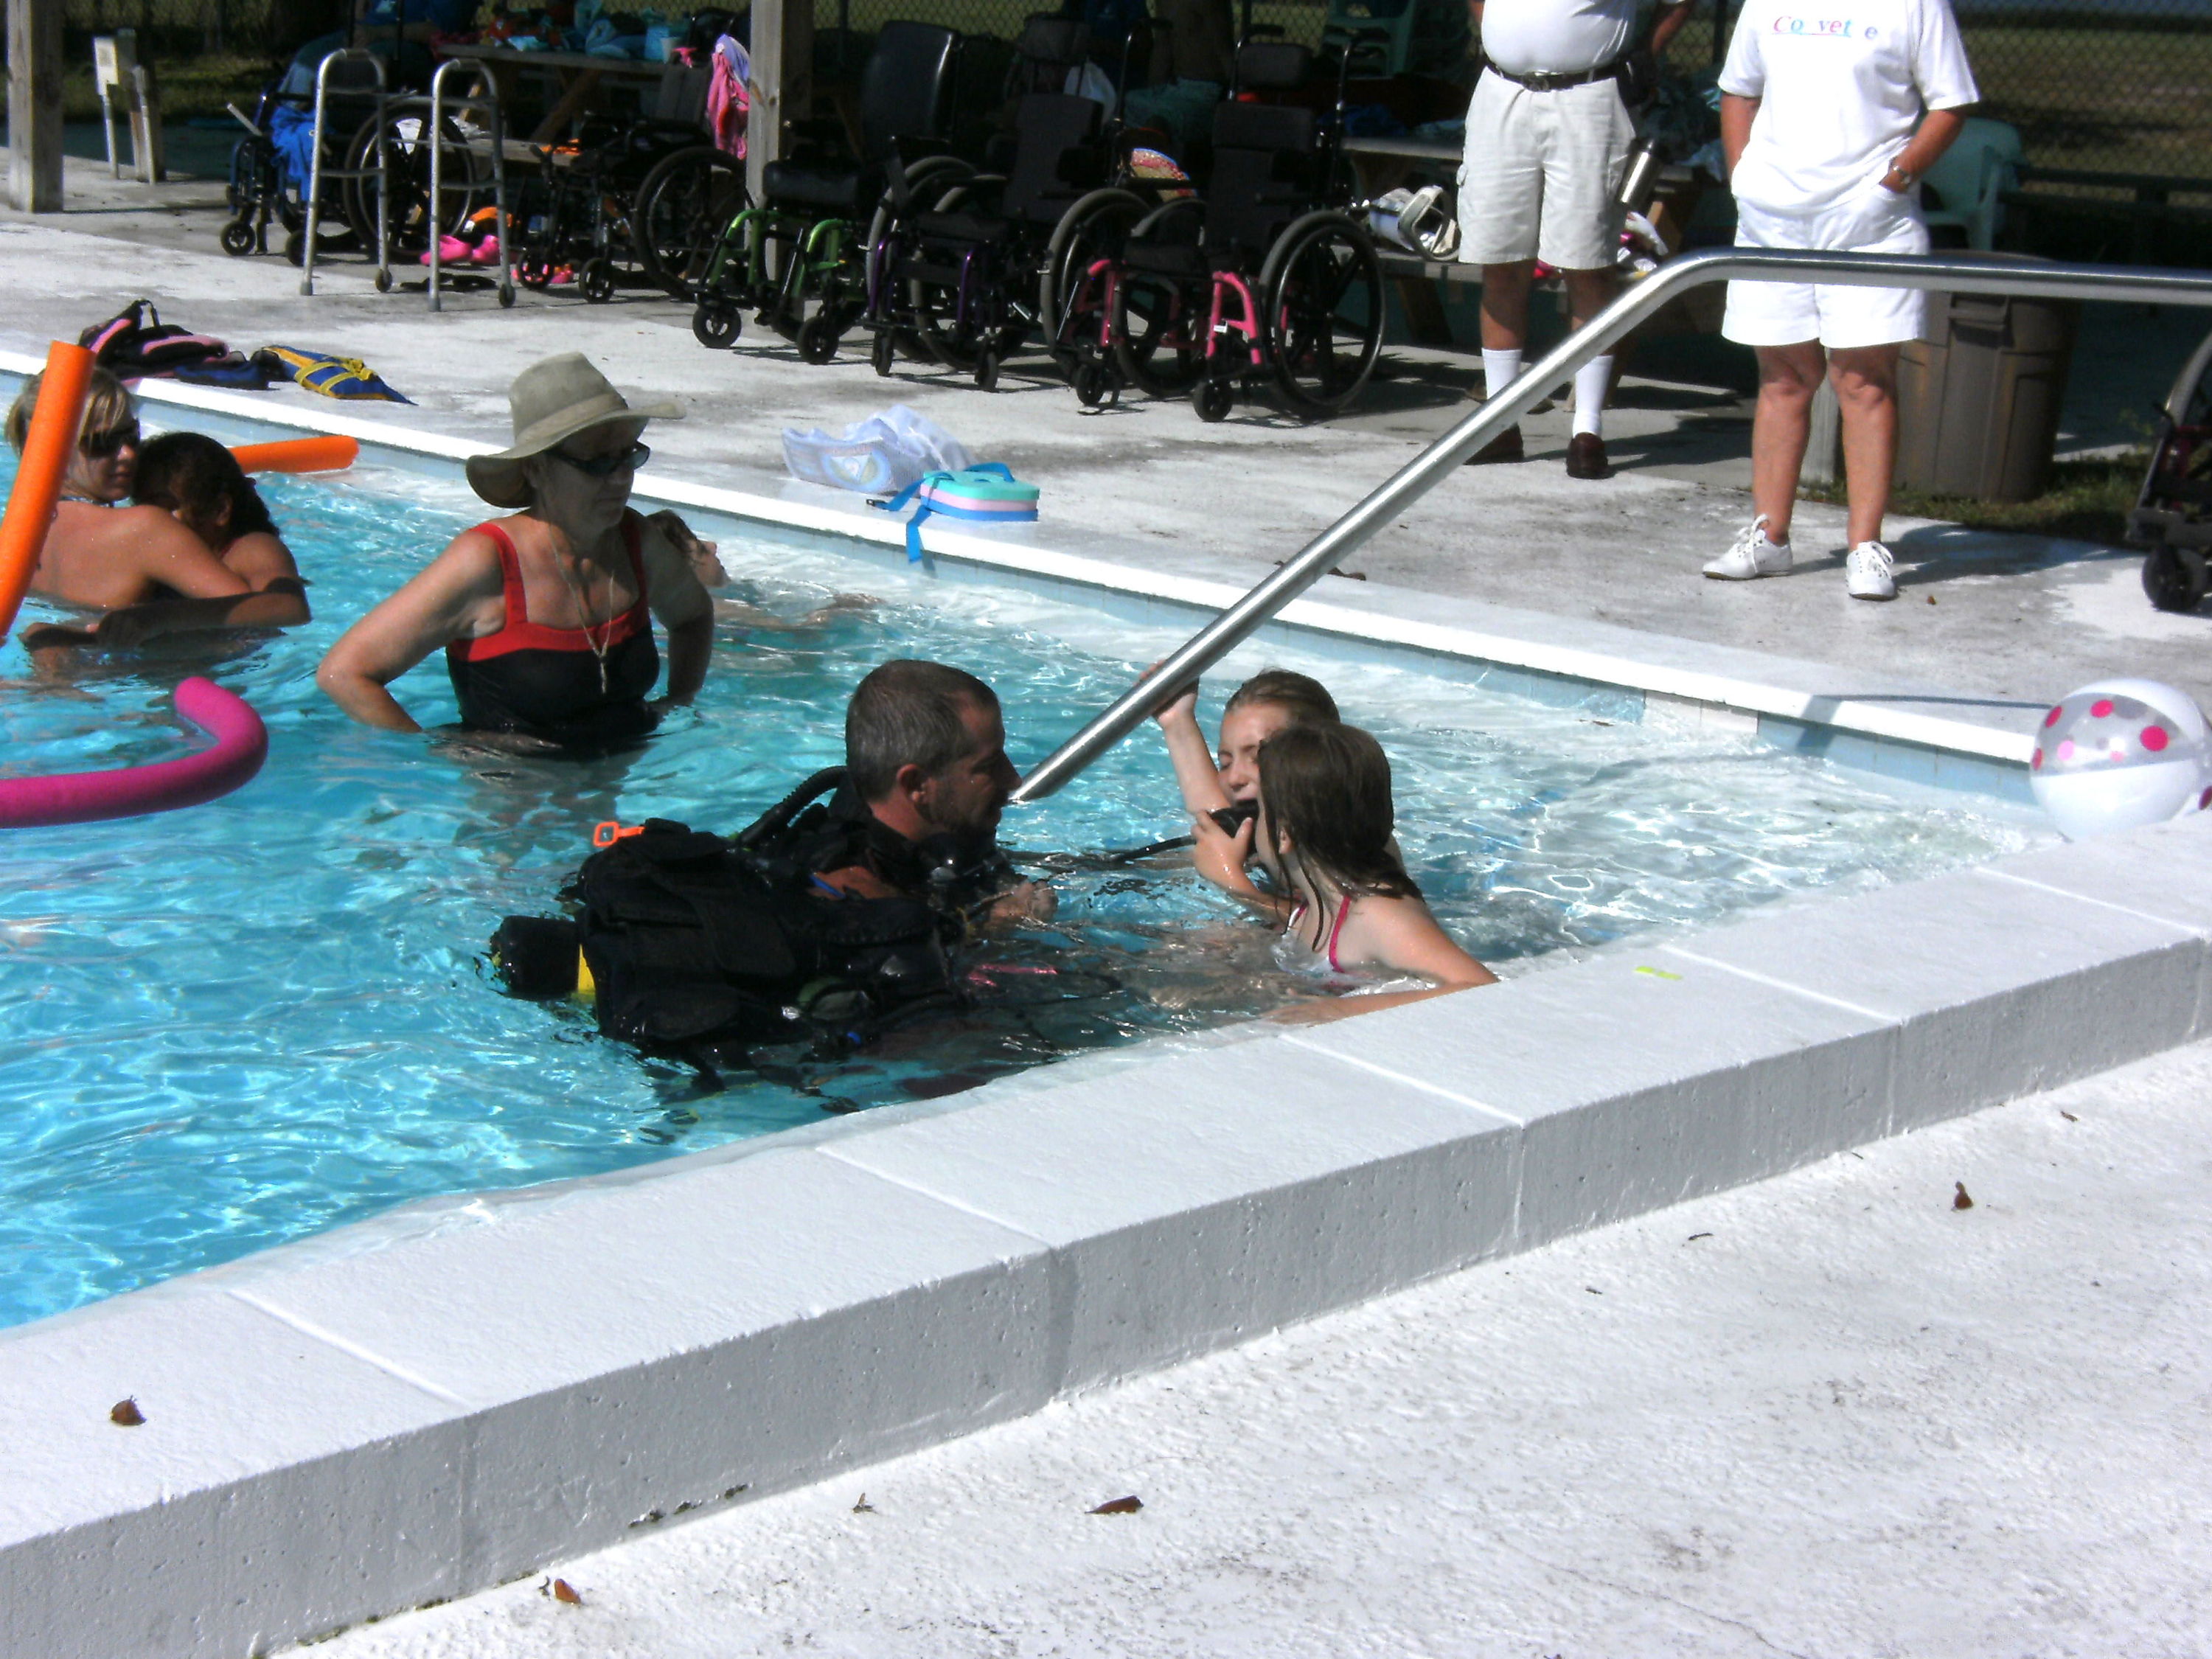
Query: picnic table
{"points": [[581, 76]]}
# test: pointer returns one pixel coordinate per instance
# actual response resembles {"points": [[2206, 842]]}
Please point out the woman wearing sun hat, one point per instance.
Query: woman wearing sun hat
{"points": [[545, 616]]}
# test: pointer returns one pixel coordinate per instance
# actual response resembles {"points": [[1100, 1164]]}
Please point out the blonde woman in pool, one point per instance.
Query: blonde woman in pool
{"points": [[1228, 781]]}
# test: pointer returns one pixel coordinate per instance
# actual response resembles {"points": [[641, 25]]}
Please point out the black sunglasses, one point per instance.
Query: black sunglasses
{"points": [[601, 466], [113, 441]]}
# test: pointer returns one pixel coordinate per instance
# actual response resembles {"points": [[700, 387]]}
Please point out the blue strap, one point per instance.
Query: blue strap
{"points": [[923, 509]]}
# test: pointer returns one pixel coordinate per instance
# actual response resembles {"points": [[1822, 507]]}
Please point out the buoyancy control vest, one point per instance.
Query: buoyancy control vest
{"points": [[691, 944]]}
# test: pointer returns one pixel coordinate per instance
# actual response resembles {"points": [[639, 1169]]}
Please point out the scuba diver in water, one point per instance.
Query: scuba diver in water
{"points": [[925, 780], [821, 921]]}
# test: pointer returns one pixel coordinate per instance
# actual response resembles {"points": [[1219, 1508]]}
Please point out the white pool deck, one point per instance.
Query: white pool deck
{"points": [[1826, 1415], [460, 1393]]}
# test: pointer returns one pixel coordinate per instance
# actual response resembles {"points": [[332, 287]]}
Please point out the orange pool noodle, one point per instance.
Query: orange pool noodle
{"points": [[46, 452], [323, 454]]}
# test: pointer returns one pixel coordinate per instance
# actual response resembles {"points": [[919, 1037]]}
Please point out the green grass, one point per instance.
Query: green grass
{"points": [[2087, 500], [197, 86]]}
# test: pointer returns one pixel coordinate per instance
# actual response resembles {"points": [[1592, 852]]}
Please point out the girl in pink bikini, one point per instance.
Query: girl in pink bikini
{"points": [[1357, 922]]}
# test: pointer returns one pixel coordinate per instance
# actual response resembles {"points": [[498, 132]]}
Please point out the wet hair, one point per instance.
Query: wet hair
{"points": [[909, 713], [1326, 786], [1300, 696], [192, 475], [107, 404]]}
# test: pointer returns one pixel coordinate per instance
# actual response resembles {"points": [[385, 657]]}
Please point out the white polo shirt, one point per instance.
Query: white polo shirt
{"points": [[1556, 37], [1841, 86]]}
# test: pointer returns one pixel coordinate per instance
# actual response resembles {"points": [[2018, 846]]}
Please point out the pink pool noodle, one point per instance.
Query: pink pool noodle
{"points": [[241, 743]]}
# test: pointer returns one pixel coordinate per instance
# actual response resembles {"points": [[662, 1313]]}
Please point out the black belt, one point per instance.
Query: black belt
{"points": [[1559, 83]]}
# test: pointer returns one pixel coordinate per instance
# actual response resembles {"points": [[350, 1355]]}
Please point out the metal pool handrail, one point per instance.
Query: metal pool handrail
{"points": [[1950, 272]]}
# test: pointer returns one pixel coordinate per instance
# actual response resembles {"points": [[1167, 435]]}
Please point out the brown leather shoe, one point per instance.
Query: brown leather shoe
{"points": [[1505, 447], [1586, 457]]}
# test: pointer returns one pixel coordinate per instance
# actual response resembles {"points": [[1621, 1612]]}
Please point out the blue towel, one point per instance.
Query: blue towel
{"points": [[293, 131]]}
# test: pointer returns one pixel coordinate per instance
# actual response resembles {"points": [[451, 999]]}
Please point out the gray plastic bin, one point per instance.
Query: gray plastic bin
{"points": [[1978, 402]]}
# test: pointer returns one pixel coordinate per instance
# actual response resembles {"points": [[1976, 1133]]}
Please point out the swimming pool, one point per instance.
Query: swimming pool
{"points": [[233, 1026]]}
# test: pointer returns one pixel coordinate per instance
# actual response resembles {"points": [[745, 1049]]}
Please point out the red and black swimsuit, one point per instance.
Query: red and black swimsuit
{"points": [[546, 682]]}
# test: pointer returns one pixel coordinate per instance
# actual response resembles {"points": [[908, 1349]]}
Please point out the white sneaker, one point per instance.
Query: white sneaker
{"points": [[1866, 572], [1751, 556]]}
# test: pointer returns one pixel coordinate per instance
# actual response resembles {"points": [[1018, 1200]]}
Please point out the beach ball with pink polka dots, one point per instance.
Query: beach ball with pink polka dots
{"points": [[2119, 754]]}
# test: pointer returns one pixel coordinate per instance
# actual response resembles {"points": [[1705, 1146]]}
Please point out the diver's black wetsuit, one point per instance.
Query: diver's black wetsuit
{"points": [[844, 834], [550, 683]]}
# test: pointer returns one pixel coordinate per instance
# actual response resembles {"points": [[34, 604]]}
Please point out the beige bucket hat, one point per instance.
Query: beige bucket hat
{"points": [[552, 402]]}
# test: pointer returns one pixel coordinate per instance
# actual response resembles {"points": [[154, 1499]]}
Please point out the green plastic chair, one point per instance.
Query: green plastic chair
{"points": [[1968, 181], [1346, 18]]}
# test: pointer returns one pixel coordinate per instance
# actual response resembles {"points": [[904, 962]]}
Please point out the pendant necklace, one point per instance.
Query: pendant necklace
{"points": [[598, 647]]}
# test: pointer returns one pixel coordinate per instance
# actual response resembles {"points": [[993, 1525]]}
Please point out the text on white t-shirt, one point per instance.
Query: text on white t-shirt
{"points": [[1842, 83]]}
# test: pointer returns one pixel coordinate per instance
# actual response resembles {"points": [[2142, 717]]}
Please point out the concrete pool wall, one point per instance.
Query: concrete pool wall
{"points": [[462, 1391]]}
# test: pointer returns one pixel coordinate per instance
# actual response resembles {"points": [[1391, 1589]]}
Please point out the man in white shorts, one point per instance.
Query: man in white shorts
{"points": [[1547, 139], [1818, 117]]}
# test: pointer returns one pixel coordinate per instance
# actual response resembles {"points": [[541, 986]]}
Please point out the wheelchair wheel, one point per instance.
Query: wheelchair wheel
{"points": [[987, 370], [1159, 344], [464, 184], [1095, 385], [1092, 229], [716, 324], [596, 281], [295, 247], [1213, 397], [682, 208], [818, 337], [238, 239], [883, 354], [1321, 307], [2174, 578]]}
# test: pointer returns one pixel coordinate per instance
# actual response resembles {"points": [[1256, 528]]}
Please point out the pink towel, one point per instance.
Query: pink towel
{"points": [[727, 103]]}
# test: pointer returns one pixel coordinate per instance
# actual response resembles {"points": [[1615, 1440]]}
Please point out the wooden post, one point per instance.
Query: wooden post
{"points": [[34, 105], [782, 88], [148, 147]]}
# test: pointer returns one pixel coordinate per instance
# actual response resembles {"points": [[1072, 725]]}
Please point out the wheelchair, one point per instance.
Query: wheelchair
{"points": [[2172, 515], [805, 245], [1267, 277], [971, 275], [633, 203]]}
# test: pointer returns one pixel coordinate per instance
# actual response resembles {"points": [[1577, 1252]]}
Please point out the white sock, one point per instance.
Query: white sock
{"points": [[1499, 370], [1592, 381]]}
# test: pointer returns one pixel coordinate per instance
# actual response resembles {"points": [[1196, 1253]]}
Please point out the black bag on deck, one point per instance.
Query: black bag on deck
{"points": [[136, 344]]}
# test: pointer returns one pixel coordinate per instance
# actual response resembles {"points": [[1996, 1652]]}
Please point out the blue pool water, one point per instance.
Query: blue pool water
{"points": [[229, 1027]]}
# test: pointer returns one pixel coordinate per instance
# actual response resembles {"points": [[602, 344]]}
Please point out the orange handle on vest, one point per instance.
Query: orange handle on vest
{"points": [[607, 834], [324, 455], [46, 451]]}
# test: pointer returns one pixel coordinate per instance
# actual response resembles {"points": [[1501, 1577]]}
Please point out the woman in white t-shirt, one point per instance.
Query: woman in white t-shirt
{"points": [[1828, 121]]}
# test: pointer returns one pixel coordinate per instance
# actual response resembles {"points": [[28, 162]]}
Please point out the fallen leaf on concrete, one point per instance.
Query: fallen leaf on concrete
{"points": [[125, 1414], [1694, 1237], [1961, 1202], [2067, 1115], [1129, 1506], [1593, 1290], [565, 1591], [1931, 598], [864, 1507]]}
